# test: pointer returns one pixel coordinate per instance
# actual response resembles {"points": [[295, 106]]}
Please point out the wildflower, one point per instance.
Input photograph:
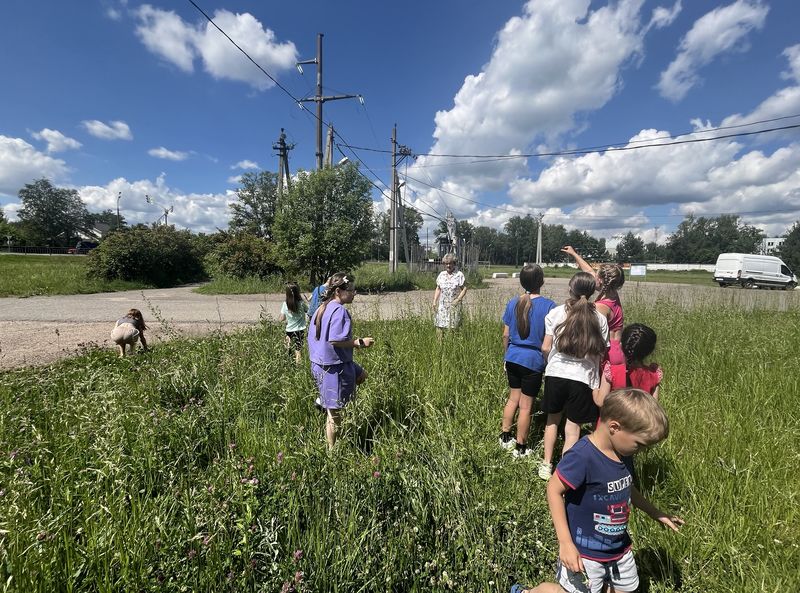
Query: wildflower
{"points": [[191, 554], [13, 454], [42, 535], [210, 488], [376, 460], [206, 540], [231, 446], [376, 474], [288, 587], [294, 476], [253, 562], [279, 457], [298, 577], [297, 556], [254, 482]]}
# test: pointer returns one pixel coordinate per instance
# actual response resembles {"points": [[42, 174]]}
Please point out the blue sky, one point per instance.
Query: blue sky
{"points": [[111, 96]]}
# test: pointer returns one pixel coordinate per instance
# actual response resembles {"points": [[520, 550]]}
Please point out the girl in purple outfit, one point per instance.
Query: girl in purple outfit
{"points": [[330, 348]]}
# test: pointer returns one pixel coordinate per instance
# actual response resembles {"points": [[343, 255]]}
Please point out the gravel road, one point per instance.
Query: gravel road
{"points": [[40, 330]]}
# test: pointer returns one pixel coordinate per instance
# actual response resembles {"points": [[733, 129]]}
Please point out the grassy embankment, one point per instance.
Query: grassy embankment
{"points": [[201, 466], [34, 275]]}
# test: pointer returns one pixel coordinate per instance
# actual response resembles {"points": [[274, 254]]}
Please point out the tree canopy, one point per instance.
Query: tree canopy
{"points": [[324, 223], [789, 251], [254, 212], [51, 215]]}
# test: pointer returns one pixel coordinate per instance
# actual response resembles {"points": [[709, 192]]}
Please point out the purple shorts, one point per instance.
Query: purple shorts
{"points": [[336, 383]]}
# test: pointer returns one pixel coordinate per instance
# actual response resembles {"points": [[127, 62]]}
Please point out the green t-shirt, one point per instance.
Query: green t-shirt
{"points": [[295, 322]]}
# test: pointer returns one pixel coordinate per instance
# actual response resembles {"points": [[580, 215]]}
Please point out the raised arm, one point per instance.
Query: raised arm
{"points": [[585, 267]]}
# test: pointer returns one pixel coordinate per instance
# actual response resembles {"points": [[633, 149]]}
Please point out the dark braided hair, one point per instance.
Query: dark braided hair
{"points": [[339, 280], [612, 278], [638, 342]]}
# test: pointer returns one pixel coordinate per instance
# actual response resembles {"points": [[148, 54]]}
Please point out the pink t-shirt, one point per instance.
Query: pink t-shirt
{"points": [[644, 378], [615, 321]]}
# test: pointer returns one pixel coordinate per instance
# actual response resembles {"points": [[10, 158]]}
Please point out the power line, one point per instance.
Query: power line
{"points": [[615, 146]]}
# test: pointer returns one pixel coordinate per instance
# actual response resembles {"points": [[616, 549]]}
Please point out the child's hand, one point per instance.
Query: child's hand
{"points": [[673, 522], [368, 342], [569, 556], [569, 250]]}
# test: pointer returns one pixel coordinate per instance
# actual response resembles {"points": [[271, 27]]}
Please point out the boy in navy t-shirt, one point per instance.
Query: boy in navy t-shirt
{"points": [[591, 493]]}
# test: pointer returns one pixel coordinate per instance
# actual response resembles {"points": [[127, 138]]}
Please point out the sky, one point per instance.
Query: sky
{"points": [[120, 99]]}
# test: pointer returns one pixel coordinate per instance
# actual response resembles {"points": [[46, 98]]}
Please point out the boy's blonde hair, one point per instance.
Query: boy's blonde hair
{"points": [[637, 411]]}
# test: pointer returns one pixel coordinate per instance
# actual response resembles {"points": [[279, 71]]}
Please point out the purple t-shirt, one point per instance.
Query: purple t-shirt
{"points": [[336, 326], [597, 501]]}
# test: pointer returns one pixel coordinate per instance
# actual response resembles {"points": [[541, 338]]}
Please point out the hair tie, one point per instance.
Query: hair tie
{"points": [[527, 292]]}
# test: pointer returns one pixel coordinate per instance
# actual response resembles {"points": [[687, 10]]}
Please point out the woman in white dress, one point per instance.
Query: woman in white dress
{"points": [[451, 287]]}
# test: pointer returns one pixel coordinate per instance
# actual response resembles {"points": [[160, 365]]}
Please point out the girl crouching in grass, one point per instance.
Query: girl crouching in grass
{"points": [[330, 348], [128, 330]]}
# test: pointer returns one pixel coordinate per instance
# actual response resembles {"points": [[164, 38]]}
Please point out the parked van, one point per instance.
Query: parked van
{"points": [[753, 271]]}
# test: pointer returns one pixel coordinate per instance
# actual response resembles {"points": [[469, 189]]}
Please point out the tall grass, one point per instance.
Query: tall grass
{"points": [[33, 275], [201, 466]]}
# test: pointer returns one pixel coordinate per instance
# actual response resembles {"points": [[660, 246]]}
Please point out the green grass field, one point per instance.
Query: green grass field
{"points": [[660, 276], [201, 466], [34, 275]]}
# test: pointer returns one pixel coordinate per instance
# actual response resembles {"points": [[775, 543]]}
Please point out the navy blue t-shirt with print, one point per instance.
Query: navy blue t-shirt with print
{"points": [[597, 500], [527, 352]]}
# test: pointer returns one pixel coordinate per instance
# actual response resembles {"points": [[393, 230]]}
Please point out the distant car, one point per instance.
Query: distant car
{"points": [[82, 248]]}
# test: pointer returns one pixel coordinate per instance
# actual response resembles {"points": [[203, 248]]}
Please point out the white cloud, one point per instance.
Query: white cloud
{"points": [[717, 32], [198, 212], [114, 130], [558, 60], [56, 141], [245, 165], [664, 17], [235, 179], [21, 163], [114, 14], [170, 155], [167, 35]]}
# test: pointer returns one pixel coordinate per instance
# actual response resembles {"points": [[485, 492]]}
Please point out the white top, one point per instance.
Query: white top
{"points": [[586, 370], [448, 315]]}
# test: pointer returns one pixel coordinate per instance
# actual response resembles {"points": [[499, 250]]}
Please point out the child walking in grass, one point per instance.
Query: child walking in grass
{"points": [[293, 312], [128, 330], [575, 342], [591, 493], [523, 333], [330, 347], [638, 342], [609, 278]]}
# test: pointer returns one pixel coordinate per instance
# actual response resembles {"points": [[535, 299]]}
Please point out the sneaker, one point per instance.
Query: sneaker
{"points": [[517, 588], [522, 450], [545, 470], [318, 405], [507, 441]]}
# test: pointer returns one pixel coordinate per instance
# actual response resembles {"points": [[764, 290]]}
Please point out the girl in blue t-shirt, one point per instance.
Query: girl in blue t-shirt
{"points": [[523, 332]]}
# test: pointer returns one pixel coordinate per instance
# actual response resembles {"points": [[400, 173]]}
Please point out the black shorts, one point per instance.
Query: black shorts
{"points": [[520, 377], [573, 398], [296, 339]]}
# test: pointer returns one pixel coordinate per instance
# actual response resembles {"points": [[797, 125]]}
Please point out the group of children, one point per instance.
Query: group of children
{"points": [[594, 372]]}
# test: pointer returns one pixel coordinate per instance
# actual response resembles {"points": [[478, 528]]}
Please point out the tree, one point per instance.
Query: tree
{"points": [[254, 213], [789, 250], [51, 215], [379, 248], [701, 240], [630, 248], [325, 222], [105, 221]]}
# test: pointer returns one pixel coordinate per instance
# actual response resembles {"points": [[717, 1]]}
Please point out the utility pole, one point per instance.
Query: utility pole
{"points": [[393, 251], [283, 162], [539, 217], [150, 200], [119, 220], [319, 98]]}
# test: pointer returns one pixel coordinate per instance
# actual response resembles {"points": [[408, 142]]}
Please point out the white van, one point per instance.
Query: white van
{"points": [[753, 271]]}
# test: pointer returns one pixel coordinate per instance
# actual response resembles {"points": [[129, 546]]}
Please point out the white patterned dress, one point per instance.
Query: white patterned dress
{"points": [[448, 315]]}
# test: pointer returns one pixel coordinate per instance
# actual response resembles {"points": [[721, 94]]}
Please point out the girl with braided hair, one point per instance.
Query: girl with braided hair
{"points": [[575, 343], [638, 342], [330, 348], [609, 278]]}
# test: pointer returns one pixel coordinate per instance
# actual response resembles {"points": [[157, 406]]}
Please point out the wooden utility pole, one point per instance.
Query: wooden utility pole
{"points": [[393, 251], [539, 218], [319, 98]]}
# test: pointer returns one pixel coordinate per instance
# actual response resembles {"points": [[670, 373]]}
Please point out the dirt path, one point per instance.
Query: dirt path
{"points": [[40, 330]]}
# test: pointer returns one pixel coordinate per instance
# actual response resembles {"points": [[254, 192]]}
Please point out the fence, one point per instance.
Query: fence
{"points": [[36, 250]]}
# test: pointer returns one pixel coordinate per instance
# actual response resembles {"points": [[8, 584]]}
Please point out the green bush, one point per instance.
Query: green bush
{"points": [[160, 255], [242, 256]]}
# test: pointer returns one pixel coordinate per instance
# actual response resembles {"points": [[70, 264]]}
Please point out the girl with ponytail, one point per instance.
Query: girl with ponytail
{"points": [[575, 341], [330, 348], [523, 332]]}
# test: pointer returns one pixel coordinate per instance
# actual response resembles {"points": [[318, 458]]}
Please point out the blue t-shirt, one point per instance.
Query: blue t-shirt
{"points": [[527, 352], [316, 295], [336, 327], [597, 501]]}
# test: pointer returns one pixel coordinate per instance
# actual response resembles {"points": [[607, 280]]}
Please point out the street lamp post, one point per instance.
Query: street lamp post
{"points": [[119, 220]]}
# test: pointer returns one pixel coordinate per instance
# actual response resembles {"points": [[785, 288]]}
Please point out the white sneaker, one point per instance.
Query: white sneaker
{"points": [[509, 444], [545, 470], [523, 451]]}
